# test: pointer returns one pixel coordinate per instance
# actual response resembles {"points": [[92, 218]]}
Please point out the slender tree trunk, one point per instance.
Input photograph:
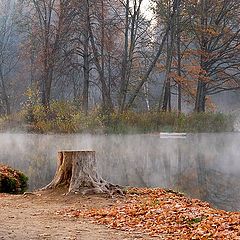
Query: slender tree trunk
{"points": [[166, 104], [86, 71], [86, 67], [49, 86], [46, 55], [43, 83], [123, 93], [47, 83], [102, 54], [109, 74], [4, 94], [200, 101], [131, 29], [106, 96], [179, 60], [146, 93], [50, 49], [201, 97], [176, 4]]}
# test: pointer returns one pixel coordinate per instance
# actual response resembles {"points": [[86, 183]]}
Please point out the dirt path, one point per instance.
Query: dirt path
{"points": [[34, 217]]}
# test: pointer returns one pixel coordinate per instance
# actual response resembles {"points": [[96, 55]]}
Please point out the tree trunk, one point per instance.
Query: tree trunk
{"points": [[4, 98], [166, 103], [175, 5], [201, 97], [201, 88], [122, 97], [106, 96], [77, 170], [179, 60], [86, 70]]}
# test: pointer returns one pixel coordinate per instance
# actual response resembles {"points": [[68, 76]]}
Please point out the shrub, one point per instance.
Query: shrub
{"points": [[209, 122], [169, 122], [66, 117], [12, 181]]}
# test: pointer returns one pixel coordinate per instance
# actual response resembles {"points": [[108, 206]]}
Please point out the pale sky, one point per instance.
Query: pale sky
{"points": [[146, 10]]}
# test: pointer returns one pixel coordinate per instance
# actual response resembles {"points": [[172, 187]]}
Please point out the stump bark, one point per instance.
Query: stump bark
{"points": [[78, 171]]}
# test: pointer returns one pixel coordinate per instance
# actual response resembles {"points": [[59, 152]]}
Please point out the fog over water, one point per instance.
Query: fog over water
{"points": [[206, 166]]}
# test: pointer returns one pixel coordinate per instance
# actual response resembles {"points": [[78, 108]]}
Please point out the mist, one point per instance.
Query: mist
{"points": [[205, 166]]}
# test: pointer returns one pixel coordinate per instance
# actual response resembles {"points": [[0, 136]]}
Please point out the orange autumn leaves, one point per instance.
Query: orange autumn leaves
{"points": [[6, 171], [167, 215], [11, 180]]}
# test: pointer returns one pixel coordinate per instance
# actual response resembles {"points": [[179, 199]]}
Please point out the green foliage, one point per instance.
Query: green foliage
{"points": [[12, 181], [194, 221], [208, 122], [60, 117], [65, 117], [169, 122]]}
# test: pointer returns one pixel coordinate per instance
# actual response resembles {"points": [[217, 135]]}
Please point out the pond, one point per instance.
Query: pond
{"points": [[205, 166]]}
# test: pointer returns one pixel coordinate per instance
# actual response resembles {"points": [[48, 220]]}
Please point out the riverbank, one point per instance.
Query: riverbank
{"points": [[141, 214], [35, 217], [63, 118]]}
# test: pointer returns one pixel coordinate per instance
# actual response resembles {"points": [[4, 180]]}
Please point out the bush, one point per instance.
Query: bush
{"points": [[65, 117], [61, 117], [169, 122], [12, 181], [209, 122]]}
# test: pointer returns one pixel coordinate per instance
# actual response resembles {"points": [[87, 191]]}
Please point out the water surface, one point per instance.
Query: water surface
{"points": [[206, 166]]}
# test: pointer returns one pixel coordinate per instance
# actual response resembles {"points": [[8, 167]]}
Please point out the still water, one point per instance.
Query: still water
{"points": [[206, 166]]}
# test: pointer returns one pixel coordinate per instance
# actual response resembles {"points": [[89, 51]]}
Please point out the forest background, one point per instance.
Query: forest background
{"points": [[119, 66]]}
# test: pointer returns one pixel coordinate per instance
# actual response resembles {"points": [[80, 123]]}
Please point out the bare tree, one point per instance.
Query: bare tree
{"points": [[216, 27], [48, 22], [8, 56], [155, 59]]}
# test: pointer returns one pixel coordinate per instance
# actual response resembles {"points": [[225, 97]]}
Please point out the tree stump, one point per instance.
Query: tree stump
{"points": [[78, 171]]}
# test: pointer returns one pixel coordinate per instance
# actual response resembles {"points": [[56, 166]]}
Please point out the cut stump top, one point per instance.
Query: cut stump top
{"points": [[76, 151]]}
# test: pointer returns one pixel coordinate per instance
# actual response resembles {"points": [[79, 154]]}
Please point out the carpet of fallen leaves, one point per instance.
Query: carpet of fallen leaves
{"points": [[165, 214]]}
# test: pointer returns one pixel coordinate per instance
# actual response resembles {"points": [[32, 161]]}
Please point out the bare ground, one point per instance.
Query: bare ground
{"points": [[34, 217]]}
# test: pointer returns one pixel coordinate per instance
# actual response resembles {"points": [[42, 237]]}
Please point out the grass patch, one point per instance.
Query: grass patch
{"points": [[65, 117]]}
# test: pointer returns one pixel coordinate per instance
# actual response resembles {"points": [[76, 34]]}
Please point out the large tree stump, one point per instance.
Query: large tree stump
{"points": [[78, 171]]}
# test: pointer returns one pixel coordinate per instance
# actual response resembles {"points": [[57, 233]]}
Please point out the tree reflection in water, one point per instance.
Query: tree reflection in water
{"points": [[205, 166]]}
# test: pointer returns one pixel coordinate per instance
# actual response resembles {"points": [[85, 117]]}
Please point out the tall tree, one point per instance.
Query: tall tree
{"points": [[131, 33], [46, 20], [156, 57], [8, 53], [106, 95], [217, 40]]}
